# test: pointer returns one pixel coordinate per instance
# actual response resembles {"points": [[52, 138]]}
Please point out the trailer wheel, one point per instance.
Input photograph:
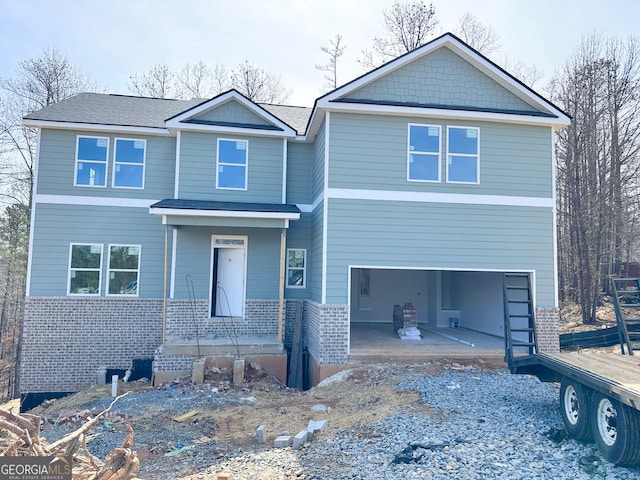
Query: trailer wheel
{"points": [[616, 430], [574, 406]]}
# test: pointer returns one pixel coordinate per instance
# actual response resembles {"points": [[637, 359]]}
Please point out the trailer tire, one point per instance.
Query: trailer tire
{"points": [[574, 407], [616, 430]]}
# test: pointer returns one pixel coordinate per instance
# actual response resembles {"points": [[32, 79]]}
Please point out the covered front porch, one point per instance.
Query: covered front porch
{"points": [[224, 282]]}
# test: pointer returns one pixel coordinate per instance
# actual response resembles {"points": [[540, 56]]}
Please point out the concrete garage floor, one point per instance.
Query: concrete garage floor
{"points": [[375, 340]]}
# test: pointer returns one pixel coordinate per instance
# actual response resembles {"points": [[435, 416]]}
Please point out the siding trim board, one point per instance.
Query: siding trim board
{"points": [[174, 251], [435, 197], [176, 188], [325, 210], [93, 201]]}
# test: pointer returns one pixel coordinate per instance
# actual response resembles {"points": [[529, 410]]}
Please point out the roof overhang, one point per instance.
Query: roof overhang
{"points": [[95, 127], [228, 214]]}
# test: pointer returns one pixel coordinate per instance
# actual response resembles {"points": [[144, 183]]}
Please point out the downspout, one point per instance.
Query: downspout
{"points": [[164, 295], [283, 243]]}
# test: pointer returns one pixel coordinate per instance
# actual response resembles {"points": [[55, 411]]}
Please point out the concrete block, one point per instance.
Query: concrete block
{"points": [[197, 371], [261, 434], [223, 476], [283, 441], [238, 371], [309, 433], [299, 439], [317, 425]]}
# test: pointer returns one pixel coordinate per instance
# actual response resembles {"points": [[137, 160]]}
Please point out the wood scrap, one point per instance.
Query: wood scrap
{"points": [[21, 436], [186, 416]]}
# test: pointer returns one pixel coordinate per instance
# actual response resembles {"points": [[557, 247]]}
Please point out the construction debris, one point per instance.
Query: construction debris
{"points": [[21, 437]]}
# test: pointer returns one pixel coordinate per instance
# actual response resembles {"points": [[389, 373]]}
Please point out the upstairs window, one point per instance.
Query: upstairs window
{"points": [[91, 161], [231, 168], [296, 267], [85, 265], [128, 163], [124, 267], [423, 157], [462, 155]]}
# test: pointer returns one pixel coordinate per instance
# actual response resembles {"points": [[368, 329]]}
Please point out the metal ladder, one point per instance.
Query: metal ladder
{"points": [[626, 296], [519, 327]]}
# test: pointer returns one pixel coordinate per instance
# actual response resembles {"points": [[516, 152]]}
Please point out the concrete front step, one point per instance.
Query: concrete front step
{"points": [[223, 346]]}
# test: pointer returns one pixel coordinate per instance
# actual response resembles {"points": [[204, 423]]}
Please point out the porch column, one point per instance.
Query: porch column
{"points": [[283, 251], [164, 295]]}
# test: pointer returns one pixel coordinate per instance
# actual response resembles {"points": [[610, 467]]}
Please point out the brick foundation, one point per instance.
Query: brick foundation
{"points": [[328, 332], [66, 339], [547, 329]]}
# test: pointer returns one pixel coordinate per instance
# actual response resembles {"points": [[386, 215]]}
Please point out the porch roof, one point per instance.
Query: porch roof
{"points": [[216, 213]]}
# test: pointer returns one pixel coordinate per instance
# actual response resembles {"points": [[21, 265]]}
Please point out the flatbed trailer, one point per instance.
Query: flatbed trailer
{"points": [[599, 397], [599, 392]]}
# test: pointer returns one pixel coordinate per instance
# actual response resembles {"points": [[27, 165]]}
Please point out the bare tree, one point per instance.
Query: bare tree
{"points": [[258, 85], [334, 51], [527, 74], [598, 161], [407, 25], [477, 35], [38, 82], [201, 81], [157, 82]]}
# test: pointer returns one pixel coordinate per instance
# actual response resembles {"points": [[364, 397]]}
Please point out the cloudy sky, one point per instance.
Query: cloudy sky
{"points": [[113, 39]]}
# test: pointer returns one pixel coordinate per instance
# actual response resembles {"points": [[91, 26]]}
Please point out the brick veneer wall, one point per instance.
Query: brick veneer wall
{"points": [[66, 339], [547, 329], [328, 332]]}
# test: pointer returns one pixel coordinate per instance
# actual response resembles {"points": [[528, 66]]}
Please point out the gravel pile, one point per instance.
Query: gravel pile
{"points": [[481, 426]]}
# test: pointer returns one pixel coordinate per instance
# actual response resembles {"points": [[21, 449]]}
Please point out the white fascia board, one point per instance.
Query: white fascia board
{"points": [[176, 121], [196, 127], [432, 197], [180, 212], [93, 201], [306, 208], [96, 127], [442, 113]]}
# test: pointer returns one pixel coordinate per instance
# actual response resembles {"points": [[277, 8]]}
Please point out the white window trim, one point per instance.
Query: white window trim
{"points": [[246, 163], [116, 163], [109, 270], [409, 153], [304, 268], [106, 162], [245, 246], [71, 245], [477, 156]]}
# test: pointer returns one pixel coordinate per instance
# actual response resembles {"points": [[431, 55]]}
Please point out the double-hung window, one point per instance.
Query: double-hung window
{"points": [[423, 156], [463, 159], [296, 267], [91, 161], [85, 265], [124, 269], [231, 168], [128, 163]]}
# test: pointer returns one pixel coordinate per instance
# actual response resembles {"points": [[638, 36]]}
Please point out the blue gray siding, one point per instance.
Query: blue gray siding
{"points": [[299, 172], [315, 278], [56, 170], [299, 236], [318, 163], [198, 169], [193, 257], [57, 226], [438, 236], [442, 78], [232, 112], [370, 152]]}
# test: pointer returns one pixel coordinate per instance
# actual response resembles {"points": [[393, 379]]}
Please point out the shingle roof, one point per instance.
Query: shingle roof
{"points": [[225, 206], [124, 110]]}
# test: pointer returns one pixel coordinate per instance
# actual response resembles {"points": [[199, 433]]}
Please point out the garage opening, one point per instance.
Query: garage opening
{"points": [[457, 311]]}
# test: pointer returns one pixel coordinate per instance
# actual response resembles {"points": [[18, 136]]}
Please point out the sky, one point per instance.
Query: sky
{"points": [[113, 39]]}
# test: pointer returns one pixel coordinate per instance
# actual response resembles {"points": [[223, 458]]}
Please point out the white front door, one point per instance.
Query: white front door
{"points": [[229, 276]]}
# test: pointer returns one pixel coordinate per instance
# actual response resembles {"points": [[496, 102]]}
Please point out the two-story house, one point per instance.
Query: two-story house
{"points": [[160, 226]]}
